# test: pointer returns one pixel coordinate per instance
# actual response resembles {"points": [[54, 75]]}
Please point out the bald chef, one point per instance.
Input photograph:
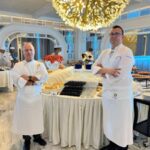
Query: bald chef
{"points": [[28, 77], [115, 66]]}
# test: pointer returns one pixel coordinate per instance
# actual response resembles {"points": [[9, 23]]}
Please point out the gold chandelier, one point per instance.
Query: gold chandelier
{"points": [[89, 14]]}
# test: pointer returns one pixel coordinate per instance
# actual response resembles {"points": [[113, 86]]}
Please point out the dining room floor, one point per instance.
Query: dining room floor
{"points": [[9, 142]]}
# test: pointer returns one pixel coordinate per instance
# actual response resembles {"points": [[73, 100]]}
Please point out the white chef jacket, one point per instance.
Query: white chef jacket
{"points": [[28, 112], [117, 98]]}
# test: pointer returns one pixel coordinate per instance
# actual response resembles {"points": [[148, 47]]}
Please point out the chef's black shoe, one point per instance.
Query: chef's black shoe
{"points": [[121, 148], [108, 147], [105, 147], [111, 146], [26, 145], [38, 139]]}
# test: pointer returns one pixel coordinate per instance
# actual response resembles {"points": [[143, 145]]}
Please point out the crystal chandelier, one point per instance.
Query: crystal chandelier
{"points": [[89, 14]]}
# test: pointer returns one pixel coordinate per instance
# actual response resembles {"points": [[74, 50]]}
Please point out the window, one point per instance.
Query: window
{"points": [[134, 14], [124, 17], [145, 12]]}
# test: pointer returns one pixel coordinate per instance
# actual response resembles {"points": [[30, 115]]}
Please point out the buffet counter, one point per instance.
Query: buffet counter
{"points": [[72, 120]]}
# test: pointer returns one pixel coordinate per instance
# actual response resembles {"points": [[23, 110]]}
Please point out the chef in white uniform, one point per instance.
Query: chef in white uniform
{"points": [[28, 77], [115, 66]]}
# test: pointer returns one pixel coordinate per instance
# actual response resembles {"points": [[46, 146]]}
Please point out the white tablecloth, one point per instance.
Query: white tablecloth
{"points": [[6, 80], [73, 121]]}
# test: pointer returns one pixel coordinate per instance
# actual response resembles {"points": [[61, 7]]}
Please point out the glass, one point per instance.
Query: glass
{"points": [[115, 33]]}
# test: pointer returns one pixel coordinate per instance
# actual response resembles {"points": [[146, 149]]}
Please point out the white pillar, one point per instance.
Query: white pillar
{"points": [[19, 48], [80, 43]]}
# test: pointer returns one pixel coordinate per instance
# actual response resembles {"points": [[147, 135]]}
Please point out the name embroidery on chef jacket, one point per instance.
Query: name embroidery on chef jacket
{"points": [[129, 57]]}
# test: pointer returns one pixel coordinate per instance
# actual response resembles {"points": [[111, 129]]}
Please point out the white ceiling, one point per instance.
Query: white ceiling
{"points": [[43, 8], [30, 8]]}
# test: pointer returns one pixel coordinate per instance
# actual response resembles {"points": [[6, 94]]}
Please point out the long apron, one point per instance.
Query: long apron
{"points": [[118, 105], [118, 116], [28, 113]]}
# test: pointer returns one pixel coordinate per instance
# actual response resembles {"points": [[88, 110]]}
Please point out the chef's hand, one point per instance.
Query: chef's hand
{"points": [[25, 77], [111, 71], [100, 65], [99, 72], [103, 75], [30, 83], [114, 72], [34, 78]]}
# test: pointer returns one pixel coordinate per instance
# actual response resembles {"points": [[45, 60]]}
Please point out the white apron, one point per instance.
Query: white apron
{"points": [[28, 113], [117, 99]]}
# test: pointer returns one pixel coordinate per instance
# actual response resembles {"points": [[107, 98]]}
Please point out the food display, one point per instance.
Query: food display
{"points": [[69, 82], [99, 89], [73, 88], [49, 71], [77, 84], [47, 88]]}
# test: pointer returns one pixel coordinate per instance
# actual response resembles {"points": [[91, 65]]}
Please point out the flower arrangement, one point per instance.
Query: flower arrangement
{"points": [[53, 58], [86, 59]]}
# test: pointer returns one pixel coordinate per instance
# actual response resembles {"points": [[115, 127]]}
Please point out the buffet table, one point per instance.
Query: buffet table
{"points": [[5, 80], [69, 120], [73, 121], [142, 76]]}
